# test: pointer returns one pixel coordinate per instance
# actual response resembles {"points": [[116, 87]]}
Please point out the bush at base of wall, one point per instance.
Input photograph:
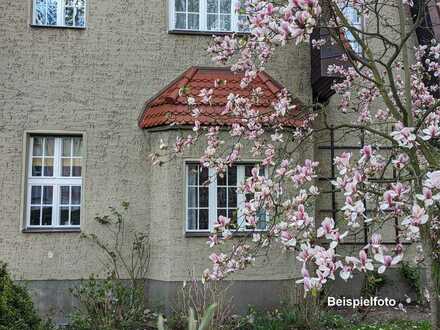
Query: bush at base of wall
{"points": [[17, 310]]}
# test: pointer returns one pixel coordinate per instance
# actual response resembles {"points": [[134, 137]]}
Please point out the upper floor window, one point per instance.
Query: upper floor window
{"points": [[206, 15], [67, 13], [355, 20], [210, 195], [54, 182]]}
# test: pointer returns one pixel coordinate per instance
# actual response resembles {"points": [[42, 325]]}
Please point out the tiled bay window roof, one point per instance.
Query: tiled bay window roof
{"points": [[171, 107]]}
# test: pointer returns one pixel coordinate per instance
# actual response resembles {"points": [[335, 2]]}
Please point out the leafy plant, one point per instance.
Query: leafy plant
{"points": [[116, 302], [17, 310], [373, 282], [203, 324], [413, 277], [198, 297]]}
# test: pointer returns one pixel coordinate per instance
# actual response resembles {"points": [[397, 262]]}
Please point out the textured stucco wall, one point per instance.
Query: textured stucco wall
{"points": [[96, 81], [177, 256]]}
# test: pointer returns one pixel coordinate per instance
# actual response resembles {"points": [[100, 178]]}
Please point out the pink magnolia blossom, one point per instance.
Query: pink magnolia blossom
{"points": [[386, 261]]}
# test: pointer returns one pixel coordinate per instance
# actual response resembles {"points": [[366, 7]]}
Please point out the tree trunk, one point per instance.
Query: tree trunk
{"points": [[432, 281]]}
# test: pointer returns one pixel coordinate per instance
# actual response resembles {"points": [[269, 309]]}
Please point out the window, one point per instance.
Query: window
{"points": [[208, 199], [54, 183], [70, 13], [206, 15], [354, 19]]}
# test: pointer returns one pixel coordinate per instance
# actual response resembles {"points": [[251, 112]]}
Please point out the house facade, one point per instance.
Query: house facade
{"points": [[75, 79], [86, 92]]}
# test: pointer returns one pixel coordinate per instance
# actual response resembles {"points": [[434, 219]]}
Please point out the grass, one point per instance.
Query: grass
{"points": [[393, 325], [289, 319]]}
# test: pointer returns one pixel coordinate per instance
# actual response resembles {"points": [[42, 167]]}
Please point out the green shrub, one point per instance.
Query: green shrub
{"points": [[108, 305], [372, 283], [116, 302], [413, 277], [17, 310]]}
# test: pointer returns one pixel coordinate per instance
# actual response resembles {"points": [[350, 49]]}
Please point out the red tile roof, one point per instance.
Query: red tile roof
{"points": [[168, 107]]}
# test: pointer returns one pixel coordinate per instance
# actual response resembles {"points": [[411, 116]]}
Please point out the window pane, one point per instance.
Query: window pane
{"points": [[68, 16], [76, 195], [193, 21], [212, 22], [67, 143], [192, 197], [38, 146], [65, 195], [243, 23], [248, 171], [37, 166], [76, 169], [212, 6], [51, 12], [192, 174], [203, 196], [47, 216], [64, 216], [261, 223], [192, 219], [36, 195], [249, 197], [203, 219], [232, 197], [75, 216], [180, 21], [180, 5], [193, 6], [225, 22], [232, 214], [232, 176], [221, 197], [77, 146], [203, 176], [66, 166], [47, 194], [35, 216], [225, 6], [48, 167], [221, 179], [79, 18], [221, 212], [40, 12], [48, 146]]}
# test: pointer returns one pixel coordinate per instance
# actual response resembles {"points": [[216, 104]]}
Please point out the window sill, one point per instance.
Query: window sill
{"points": [[59, 27], [207, 33], [50, 230]]}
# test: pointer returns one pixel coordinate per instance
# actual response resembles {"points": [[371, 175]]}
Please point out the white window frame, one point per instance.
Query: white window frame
{"points": [[212, 202], [56, 181], [203, 18], [61, 6]]}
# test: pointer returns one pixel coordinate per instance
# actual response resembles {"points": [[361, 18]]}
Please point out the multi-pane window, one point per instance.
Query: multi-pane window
{"points": [[69, 13], [206, 15], [210, 195], [54, 183], [187, 14]]}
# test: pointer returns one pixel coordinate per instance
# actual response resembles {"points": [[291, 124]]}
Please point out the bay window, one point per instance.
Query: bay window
{"points": [[210, 195], [54, 182], [64, 13], [206, 15]]}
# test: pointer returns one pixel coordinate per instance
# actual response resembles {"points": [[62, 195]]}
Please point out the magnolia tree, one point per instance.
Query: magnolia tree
{"points": [[388, 87]]}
